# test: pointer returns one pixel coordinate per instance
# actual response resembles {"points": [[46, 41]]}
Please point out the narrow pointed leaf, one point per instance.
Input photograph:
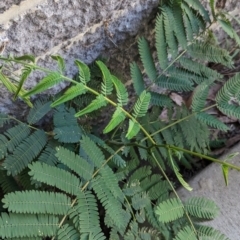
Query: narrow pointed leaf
{"points": [[225, 170], [47, 82], [133, 129], [26, 57]]}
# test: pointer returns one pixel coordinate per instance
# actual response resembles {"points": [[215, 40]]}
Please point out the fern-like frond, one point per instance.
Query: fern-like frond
{"points": [[107, 85], [210, 53], [200, 96], [12, 138], [122, 94], [110, 203], [168, 20], [26, 71], [141, 106], [68, 134], [71, 93], [147, 59], [188, 27], [60, 62], [55, 177], [170, 210], [117, 117], [92, 151], [140, 201], [140, 173], [37, 202], [64, 116], [40, 108], [209, 233], [48, 154], [25, 152], [161, 44], [28, 225], [84, 72], [174, 84], [137, 78], [212, 121], [76, 163], [47, 82], [87, 212], [197, 6], [186, 233], [99, 102], [201, 208], [160, 100]]}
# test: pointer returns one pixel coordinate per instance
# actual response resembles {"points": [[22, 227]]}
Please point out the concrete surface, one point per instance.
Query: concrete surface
{"points": [[73, 29], [210, 183]]}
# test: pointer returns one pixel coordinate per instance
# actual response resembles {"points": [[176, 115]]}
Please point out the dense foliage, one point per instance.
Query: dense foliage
{"points": [[72, 182]]}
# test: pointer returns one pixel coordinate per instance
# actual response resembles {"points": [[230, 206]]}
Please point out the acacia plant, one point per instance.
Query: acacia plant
{"points": [[70, 182]]}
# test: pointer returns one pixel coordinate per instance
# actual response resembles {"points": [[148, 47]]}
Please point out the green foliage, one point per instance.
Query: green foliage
{"points": [[68, 181]]}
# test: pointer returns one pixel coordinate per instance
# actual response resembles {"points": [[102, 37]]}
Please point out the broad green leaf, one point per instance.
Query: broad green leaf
{"points": [[117, 118], [71, 93], [60, 61], [84, 72], [133, 129], [50, 80], [99, 102]]}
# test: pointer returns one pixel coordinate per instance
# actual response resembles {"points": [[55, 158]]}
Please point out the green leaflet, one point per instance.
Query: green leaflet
{"points": [[37, 202], [137, 78], [117, 118], [25, 73], [50, 80], [60, 62], [170, 210], [147, 59], [107, 85], [71, 93], [26, 58], [122, 94], [99, 102], [67, 232], [206, 233], [161, 44], [84, 72], [133, 129]]}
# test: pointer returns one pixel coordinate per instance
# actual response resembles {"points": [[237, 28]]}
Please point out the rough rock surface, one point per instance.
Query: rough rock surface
{"points": [[73, 29]]}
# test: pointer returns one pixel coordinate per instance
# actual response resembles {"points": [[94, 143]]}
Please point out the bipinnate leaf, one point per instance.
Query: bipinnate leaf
{"points": [[47, 82], [99, 102], [37, 202], [60, 61], [71, 93], [201, 207], [170, 210], [84, 72], [117, 118], [107, 85], [209, 233], [137, 78]]}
